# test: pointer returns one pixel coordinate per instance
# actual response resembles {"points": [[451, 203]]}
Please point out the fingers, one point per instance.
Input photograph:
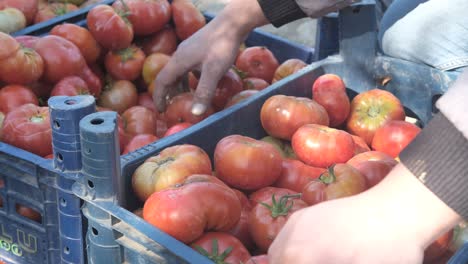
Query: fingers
{"points": [[211, 73]]}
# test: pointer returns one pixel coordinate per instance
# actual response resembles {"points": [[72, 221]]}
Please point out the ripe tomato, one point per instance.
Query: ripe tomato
{"points": [[170, 167], [258, 62], [187, 210], [163, 41], [359, 145], [253, 83], [393, 136], [295, 175], [145, 99], [139, 120], [375, 170], [125, 64], [438, 248], [52, 10], [330, 92], [70, 86], [187, 18], [177, 128], [259, 259], [266, 193], [139, 141], [287, 68], [152, 65], [246, 163], [340, 180], [82, 38], [179, 110], [268, 218], [28, 213], [241, 229], [282, 115], [118, 95], [229, 85], [221, 247], [283, 146], [239, 97], [28, 7], [19, 65], [14, 96], [111, 28], [370, 110], [27, 41], [369, 155], [2, 117], [28, 127]]}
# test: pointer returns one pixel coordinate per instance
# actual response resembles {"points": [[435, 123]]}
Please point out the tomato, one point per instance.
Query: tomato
{"points": [[139, 141], [28, 127], [28, 213], [2, 117], [253, 83], [164, 41], [192, 81], [111, 28], [138, 212], [330, 92], [145, 99], [146, 16], [52, 10], [266, 193], [322, 146], [393, 136], [125, 64], [221, 247], [188, 209], [170, 167], [359, 145], [287, 68], [438, 248], [370, 110], [340, 180], [11, 20], [14, 96], [229, 85], [187, 18], [269, 216], [177, 128], [152, 65], [82, 38], [19, 65], [179, 110], [27, 41], [28, 7], [283, 146], [375, 170], [259, 259], [295, 175], [241, 229], [50, 156], [70, 86], [118, 95], [139, 120], [41, 89], [282, 115], [239, 97], [258, 62], [246, 163], [369, 155]]}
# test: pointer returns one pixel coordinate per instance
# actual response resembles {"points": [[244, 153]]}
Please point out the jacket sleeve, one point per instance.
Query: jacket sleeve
{"points": [[438, 156]]}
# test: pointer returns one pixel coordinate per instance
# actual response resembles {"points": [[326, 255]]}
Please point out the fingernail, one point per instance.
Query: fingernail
{"points": [[198, 109]]}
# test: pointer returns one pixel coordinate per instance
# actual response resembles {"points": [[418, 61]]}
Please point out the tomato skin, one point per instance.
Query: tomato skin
{"points": [[152, 65], [125, 64], [229, 85], [171, 166], [259, 259], [118, 95], [185, 214], [179, 110], [239, 97], [252, 83], [340, 180], [139, 120], [370, 110], [369, 155], [139, 141], [177, 128], [163, 41], [2, 118], [11, 20], [241, 229], [9, 46], [52, 10], [438, 248], [375, 170], [28, 7], [111, 30], [282, 115], [296, 174], [287, 68], [360, 145], [187, 18], [266, 193], [394, 136], [246, 163], [27, 41], [28, 127], [258, 62], [14, 96], [216, 243], [70, 86], [145, 99]]}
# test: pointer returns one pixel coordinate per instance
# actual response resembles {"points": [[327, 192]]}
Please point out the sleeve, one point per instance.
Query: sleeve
{"points": [[438, 156]]}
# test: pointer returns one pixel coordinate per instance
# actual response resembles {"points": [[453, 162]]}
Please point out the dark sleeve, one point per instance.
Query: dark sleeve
{"points": [[281, 12], [438, 157]]}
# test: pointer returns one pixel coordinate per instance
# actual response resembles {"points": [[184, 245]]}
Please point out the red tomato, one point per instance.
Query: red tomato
{"points": [[187, 18], [139, 141], [41, 89], [28, 7], [258, 62], [19, 65], [221, 247], [28, 127], [241, 229], [27, 41], [170, 167], [340, 180], [145, 99], [369, 155], [260, 259], [82, 38], [295, 175], [192, 80], [188, 209], [239, 97], [393, 136], [14, 96], [146, 16], [359, 145], [330, 92], [164, 41], [152, 65], [28, 213], [282, 115], [2, 117], [438, 248], [370, 110], [266, 193], [50, 156], [70, 86], [179, 110], [268, 218], [229, 85], [287, 68], [253, 83], [52, 10], [118, 95], [283, 146], [139, 120], [177, 128], [246, 163], [111, 29], [322, 146], [375, 170], [125, 64]]}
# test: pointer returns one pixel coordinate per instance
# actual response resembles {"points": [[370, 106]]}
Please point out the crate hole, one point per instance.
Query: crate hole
{"points": [[356, 10], [1, 201], [59, 157], [90, 184], [66, 250], [434, 100], [70, 102], [2, 184], [94, 231], [28, 213], [63, 202], [56, 124], [88, 150], [97, 121]]}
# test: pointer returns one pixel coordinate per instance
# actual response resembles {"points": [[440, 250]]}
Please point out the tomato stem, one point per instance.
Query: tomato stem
{"points": [[328, 177], [282, 207], [126, 54], [126, 12], [214, 256]]}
